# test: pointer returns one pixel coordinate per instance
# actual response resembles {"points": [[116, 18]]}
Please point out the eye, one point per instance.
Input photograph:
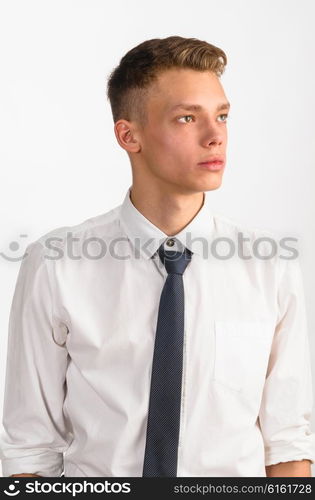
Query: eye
{"points": [[190, 118], [225, 115]]}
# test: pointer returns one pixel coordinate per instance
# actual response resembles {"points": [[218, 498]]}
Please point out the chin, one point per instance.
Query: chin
{"points": [[210, 184], [199, 186], [213, 186]]}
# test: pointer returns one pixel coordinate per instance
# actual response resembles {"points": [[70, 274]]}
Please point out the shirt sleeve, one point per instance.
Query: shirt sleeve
{"points": [[35, 431], [287, 400]]}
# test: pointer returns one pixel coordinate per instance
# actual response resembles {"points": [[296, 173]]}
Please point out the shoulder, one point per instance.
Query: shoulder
{"points": [[228, 225], [259, 239], [93, 227]]}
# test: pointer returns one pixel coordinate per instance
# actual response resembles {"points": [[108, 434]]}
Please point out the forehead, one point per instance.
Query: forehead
{"points": [[180, 84]]}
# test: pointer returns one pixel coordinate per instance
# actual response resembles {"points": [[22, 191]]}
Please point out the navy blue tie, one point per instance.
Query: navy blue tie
{"points": [[161, 449]]}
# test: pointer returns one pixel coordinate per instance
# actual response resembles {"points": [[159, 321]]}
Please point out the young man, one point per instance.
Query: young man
{"points": [[136, 346]]}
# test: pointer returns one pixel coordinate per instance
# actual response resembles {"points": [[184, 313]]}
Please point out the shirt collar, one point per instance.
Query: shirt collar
{"points": [[146, 238]]}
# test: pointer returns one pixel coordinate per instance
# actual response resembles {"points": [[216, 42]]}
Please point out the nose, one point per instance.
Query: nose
{"points": [[213, 135]]}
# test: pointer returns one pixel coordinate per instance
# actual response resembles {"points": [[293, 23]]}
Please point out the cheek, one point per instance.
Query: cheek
{"points": [[161, 137], [173, 144]]}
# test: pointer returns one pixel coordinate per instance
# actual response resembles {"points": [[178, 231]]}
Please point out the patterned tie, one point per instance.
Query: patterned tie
{"points": [[166, 381]]}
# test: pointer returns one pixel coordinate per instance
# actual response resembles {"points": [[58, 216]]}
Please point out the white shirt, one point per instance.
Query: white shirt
{"points": [[81, 339]]}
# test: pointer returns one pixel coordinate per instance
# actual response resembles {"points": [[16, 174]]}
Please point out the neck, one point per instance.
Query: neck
{"points": [[169, 212]]}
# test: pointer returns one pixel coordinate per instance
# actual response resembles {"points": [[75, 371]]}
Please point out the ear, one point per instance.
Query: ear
{"points": [[125, 132]]}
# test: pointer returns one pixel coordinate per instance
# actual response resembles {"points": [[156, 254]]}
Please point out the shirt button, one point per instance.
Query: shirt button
{"points": [[170, 242]]}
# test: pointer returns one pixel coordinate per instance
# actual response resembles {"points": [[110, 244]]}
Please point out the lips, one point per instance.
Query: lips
{"points": [[212, 160], [212, 164]]}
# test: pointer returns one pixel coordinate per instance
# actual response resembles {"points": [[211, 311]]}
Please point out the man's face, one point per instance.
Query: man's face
{"points": [[186, 114]]}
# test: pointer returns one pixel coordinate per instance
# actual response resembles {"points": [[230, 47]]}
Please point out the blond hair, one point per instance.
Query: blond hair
{"points": [[129, 81]]}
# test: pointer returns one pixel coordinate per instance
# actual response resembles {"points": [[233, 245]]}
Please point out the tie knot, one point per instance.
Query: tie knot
{"points": [[175, 262]]}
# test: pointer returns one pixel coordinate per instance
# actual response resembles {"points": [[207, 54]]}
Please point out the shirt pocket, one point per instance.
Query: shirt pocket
{"points": [[242, 350]]}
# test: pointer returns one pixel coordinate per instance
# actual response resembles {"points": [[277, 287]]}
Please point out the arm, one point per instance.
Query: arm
{"points": [[36, 433], [301, 468], [286, 406], [25, 475]]}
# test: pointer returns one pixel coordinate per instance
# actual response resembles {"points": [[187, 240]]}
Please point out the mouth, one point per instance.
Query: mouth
{"points": [[214, 163]]}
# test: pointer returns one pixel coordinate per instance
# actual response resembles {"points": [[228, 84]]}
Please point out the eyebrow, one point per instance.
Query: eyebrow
{"points": [[197, 107]]}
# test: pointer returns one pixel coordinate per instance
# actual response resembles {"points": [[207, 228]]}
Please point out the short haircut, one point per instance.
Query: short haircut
{"points": [[130, 80]]}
